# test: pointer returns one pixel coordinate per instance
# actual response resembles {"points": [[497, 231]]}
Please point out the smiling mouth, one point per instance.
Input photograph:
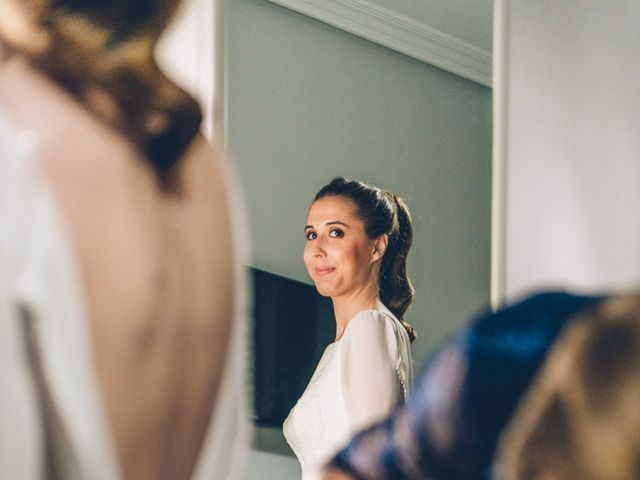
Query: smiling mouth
{"points": [[324, 271]]}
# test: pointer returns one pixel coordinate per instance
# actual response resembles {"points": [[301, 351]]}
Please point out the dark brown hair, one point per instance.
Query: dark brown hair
{"points": [[383, 213], [101, 52]]}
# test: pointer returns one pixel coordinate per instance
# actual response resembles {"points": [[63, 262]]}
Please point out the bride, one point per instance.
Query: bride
{"points": [[358, 238]]}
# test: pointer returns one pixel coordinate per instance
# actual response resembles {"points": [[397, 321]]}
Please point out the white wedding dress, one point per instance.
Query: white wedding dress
{"points": [[358, 380], [50, 408]]}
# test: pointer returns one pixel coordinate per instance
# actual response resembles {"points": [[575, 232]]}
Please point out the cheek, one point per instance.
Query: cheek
{"points": [[354, 257], [307, 256], [362, 257]]}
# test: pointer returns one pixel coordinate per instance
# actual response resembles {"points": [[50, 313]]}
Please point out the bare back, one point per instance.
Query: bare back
{"points": [[157, 270]]}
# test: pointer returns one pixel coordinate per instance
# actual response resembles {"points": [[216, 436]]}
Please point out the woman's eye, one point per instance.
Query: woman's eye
{"points": [[311, 235], [336, 233]]}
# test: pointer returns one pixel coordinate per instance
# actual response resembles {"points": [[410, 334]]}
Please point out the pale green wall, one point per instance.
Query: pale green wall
{"points": [[306, 102]]}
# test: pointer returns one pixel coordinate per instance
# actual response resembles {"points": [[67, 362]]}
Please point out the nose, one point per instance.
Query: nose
{"points": [[318, 248]]}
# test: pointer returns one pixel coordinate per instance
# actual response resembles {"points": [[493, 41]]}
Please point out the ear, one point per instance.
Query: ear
{"points": [[379, 247]]}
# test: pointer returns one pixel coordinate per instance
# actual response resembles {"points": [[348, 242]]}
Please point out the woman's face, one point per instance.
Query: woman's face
{"points": [[339, 257]]}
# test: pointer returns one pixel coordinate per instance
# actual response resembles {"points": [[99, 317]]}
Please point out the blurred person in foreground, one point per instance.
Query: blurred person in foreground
{"points": [[120, 318], [545, 389]]}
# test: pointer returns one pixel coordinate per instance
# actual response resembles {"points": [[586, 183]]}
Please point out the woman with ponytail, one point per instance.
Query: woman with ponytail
{"points": [[358, 239], [120, 276]]}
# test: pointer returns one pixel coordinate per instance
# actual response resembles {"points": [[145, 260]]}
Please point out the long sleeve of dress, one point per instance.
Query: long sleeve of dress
{"points": [[370, 383]]}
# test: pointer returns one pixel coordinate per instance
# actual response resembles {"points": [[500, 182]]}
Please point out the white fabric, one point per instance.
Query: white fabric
{"points": [[20, 446], [42, 286], [358, 380], [38, 274]]}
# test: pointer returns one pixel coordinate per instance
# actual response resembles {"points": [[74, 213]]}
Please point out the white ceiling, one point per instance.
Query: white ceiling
{"points": [[466, 20]]}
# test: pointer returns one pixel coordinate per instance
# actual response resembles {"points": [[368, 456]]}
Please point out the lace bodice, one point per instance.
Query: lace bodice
{"points": [[358, 380]]}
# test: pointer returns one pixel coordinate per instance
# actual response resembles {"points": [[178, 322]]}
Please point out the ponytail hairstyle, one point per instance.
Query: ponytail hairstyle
{"points": [[101, 53], [383, 212]]}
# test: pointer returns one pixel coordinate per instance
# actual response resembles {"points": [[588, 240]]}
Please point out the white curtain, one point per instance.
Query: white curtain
{"points": [[188, 54], [570, 126]]}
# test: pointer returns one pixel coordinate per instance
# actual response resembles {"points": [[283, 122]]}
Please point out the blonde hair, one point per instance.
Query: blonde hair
{"points": [[101, 52], [581, 417]]}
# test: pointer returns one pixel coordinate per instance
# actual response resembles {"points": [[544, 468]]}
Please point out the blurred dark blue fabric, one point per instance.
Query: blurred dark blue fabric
{"points": [[471, 388]]}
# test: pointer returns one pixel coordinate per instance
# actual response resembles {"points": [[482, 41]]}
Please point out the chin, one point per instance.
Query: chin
{"points": [[325, 292], [323, 289]]}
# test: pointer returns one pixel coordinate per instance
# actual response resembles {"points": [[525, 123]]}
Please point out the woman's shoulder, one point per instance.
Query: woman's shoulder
{"points": [[370, 336], [204, 169], [374, 321]]}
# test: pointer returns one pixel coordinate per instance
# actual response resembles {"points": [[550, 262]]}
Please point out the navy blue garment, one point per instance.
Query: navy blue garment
{"points": [[466, 395]]}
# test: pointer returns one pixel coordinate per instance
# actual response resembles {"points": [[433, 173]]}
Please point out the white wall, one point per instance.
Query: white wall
{"points": [[573, 145], [187, 53]]}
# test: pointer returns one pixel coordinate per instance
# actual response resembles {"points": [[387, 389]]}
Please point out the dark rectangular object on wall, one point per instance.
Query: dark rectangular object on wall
{"points": [[292, 325]]}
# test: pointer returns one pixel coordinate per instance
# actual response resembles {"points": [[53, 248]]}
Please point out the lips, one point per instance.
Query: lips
{"points": [[321, 271]]}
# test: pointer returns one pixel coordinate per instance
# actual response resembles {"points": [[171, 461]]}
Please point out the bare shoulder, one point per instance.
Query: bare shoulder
{"points": [[70, 142], [76, 149], [204, 170]]}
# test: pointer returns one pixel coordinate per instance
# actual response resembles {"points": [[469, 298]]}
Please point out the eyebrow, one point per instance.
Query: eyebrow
{"points": [[333, 222]]}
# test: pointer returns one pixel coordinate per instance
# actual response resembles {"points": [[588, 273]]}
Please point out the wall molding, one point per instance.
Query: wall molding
{"points": [[400, 33]]}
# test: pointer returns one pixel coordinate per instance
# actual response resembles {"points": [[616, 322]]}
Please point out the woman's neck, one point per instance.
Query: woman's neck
{"points": [[347, 306]]}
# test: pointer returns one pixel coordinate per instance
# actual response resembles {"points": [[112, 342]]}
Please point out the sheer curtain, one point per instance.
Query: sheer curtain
{"points": [[188, 54]]}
